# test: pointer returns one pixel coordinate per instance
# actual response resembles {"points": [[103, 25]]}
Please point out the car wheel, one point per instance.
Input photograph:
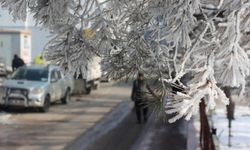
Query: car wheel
{"points": [[6, 108], [97, 85], [66, 98], [46, 105]]}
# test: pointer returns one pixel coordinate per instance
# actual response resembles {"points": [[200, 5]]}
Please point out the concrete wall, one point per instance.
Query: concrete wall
{"points": [[4, 46], [15, 42], [25, 47], [39, 37]]}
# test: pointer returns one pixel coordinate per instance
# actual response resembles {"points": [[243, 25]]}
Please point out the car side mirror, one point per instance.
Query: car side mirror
{"points": [[53, 80]]}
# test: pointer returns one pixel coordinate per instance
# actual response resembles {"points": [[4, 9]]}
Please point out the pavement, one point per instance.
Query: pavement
{"points": [[30, 130], [193, 133], [160, 135], [104, 120], [115, 132], [129, 135]]}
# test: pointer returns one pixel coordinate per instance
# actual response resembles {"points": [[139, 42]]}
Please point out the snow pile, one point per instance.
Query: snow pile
{"points": [[5, 119], [240, 128]]}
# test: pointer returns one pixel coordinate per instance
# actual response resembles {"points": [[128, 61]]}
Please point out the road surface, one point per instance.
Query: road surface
{"points": [[103, 120], [30, 130]]}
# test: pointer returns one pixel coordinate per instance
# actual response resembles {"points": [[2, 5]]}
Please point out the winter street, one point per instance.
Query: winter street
{"points": [[124, 74], [29, 130], [102, 120]]}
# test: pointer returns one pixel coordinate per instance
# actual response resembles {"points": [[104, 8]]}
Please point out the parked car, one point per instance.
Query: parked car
{"points": [[36, 86], [91, 79], [3, 70]]}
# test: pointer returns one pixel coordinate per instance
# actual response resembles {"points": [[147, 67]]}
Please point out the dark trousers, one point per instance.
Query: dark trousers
{"points": [[141, 110]]}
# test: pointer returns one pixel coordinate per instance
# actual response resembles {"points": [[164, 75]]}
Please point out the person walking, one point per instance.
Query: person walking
{"points": [[139, 96], [17, 62]]}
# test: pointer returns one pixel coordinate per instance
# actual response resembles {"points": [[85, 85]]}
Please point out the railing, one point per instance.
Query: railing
{"points": [[206, 137]]}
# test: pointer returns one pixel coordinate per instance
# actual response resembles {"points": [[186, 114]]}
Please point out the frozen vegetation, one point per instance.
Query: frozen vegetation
{"points": [[208, 38]]}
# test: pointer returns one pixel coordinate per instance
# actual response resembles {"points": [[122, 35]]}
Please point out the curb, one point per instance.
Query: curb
{"points": [[140, 142], [193, 134], [109, 122]]}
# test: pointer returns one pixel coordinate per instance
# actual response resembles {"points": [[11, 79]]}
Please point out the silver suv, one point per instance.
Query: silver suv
{"points": [[36, 86], [3, 70]]}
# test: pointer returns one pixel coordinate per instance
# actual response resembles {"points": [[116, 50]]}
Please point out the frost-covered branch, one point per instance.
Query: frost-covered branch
{"points": [[202, 86], [153, 36]]}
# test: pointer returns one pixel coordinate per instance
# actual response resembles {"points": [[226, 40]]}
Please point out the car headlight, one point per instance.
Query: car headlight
{"points": [[37, 91]]}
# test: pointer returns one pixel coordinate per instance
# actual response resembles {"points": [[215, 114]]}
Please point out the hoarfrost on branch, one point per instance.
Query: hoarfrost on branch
{"points": [[208, 38]]}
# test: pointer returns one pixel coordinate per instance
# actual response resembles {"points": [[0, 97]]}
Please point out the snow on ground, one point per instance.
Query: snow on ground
{"points": [[240, 139], [5, 118]]}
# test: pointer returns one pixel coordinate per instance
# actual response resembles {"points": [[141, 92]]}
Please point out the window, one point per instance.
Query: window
{"points": [[53, 75], [31, 74], [59, 75], [26, 42]]}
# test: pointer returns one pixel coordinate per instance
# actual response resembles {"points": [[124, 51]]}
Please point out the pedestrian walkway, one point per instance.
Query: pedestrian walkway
{"points": [[159, 135], [129, 135], [26, 129], [109, 134]]}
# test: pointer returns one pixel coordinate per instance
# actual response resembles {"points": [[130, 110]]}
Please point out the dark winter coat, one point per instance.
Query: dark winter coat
{"points": [[140, 92], [16, 63]]}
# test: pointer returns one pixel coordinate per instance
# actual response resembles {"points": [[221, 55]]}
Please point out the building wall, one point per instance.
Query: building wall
{"points": [[25, 47], [15, 44], [39, 37], [5, 46]]}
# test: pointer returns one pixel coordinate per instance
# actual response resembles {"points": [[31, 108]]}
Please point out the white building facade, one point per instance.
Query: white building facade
{"points": [[39, 36]]}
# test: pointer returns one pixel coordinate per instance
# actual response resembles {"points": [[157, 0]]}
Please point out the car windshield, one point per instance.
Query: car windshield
{"points": [[31, 74]]}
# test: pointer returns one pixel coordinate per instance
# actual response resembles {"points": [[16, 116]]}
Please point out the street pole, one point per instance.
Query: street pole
{"points": [[230, 113], [229, 132]]}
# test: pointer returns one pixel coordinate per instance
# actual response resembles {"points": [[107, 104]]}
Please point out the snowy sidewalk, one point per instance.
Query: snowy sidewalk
{"points": [[159, 135], [240, 128]]}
